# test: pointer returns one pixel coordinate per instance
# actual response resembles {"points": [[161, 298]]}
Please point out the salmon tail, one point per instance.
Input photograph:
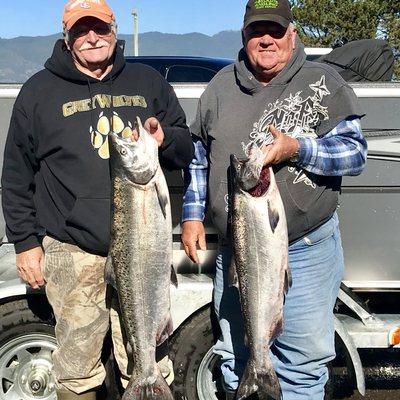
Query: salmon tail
{"points": [[146, 389], [265, 383]]}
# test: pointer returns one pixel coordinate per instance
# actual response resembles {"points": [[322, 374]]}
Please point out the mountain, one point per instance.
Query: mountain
{"points": [[21, 57]]}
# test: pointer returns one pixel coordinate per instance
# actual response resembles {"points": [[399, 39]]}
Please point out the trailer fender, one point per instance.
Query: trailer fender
{"points": [[16, 288], [13, 288], [355, 357]]}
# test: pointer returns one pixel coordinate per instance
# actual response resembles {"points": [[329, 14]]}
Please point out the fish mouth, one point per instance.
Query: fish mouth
{"points": [[251, 175], [263, 184]]}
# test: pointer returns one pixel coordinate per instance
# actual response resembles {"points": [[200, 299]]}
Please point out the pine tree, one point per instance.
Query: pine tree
{"points": [[322, 22]]}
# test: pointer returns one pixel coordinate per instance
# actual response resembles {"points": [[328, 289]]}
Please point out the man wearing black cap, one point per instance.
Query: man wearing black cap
{"points": [[307, 121]]}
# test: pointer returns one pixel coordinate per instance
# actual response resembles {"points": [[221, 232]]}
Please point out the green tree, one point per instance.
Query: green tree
{"points": [[321, 22]]}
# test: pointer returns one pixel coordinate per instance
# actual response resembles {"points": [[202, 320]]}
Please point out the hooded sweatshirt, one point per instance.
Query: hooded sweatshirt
{"points": [[56, 177], [234, 113]]}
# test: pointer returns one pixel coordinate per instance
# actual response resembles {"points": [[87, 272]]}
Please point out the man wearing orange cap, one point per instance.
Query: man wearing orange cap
{"points": [[56, 180]]}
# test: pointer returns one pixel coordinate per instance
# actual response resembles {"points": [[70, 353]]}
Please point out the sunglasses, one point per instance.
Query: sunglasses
{"points": [[99, 29]]}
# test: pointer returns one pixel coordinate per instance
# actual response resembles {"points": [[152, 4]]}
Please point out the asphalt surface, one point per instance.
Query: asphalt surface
{"points": [[381, 369], [382, 377]]}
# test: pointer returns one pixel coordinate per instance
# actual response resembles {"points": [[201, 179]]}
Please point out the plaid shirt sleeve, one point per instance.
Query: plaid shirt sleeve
{"points": [[342, 151], [195, 184]]}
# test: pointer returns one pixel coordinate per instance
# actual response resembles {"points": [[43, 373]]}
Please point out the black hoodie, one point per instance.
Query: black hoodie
{"points": [[56, 178]]}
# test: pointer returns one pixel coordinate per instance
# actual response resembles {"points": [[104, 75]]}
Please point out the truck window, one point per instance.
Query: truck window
{"points": [[188, 73]]}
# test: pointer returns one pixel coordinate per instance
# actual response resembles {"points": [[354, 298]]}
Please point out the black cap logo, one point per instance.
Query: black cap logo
{"points": [[266, 4]]}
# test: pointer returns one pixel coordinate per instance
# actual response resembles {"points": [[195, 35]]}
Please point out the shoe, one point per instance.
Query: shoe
{"points": [[63, 394]]}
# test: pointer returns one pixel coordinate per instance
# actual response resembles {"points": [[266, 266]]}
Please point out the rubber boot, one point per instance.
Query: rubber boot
{"points": [[63, 394]]}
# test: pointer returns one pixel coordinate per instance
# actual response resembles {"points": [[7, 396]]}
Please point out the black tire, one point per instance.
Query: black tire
{"points": [[26, 339], [33, 316], [25, 311], [329, 386], [188, 348]]}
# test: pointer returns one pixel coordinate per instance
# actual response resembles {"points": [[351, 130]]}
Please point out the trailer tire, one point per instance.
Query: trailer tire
{"points": [[26, 343], [188, 348], [195, 367]]}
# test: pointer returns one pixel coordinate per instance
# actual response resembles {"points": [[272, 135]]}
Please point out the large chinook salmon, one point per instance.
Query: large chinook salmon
{"points": [[140, 257], [260, 246]]}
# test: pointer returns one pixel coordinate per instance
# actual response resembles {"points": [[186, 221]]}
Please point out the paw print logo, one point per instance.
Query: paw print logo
{"points": [[99, 136]]}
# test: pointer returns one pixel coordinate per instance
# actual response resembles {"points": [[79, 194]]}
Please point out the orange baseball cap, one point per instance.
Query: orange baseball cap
{"points": [[77, 9]]}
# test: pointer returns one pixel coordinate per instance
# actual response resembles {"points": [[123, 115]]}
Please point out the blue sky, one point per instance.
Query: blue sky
{"points": [[43, 17]]}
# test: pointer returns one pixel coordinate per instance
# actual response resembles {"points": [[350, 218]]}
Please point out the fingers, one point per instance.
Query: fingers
{"points": [[202, 242], [32, 275], [270, 155], [193, 234], [30, 278], [191, 251], [189, 240], [29, 266], [151, 125], [154, 128], [23, 276], [275, 132], [38, 276], [135, 135], [282, 148]]}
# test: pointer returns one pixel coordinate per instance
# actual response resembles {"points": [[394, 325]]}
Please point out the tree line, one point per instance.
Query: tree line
{"points": [[324, 22]]}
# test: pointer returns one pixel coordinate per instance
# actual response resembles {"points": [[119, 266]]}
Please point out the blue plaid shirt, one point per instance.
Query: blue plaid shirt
{"points": [[342, 151]]}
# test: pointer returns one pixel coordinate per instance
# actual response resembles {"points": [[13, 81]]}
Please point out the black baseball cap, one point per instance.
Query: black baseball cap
{"points": [[278, 11]]}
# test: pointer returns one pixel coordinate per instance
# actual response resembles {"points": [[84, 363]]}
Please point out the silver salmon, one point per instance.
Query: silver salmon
{"points": [[140, 256], [260, 248]]}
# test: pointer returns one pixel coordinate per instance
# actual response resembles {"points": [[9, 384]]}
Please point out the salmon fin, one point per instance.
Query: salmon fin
{"points": [[148, 389], [109, 274], [165, 330], [288, 280], [277, 331], [162, 195], [273, 215], [233, 279], [265, 383], [174, 277]]}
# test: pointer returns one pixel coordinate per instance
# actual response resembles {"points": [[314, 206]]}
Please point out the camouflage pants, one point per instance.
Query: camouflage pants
{"points": [[77, 292]]}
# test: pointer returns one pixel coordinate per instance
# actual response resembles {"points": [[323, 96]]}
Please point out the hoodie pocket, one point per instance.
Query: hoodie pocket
{"points": [[88, 224]]}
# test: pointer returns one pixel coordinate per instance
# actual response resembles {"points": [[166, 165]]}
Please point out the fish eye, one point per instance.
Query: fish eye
{"points": [[123, 152]]}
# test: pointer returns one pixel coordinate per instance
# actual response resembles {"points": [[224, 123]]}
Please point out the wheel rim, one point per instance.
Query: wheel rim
{"points": [[206, 383], [25, 368]]}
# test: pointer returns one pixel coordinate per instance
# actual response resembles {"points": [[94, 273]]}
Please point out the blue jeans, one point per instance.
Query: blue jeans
{"points": [[306, 345]]}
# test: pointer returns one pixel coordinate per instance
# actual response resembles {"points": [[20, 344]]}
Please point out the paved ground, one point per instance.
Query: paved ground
{"points": [[382, 372]]}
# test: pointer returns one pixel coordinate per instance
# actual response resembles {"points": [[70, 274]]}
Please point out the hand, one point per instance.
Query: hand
{"points": [[153, 126], [193, 233], [283, 148], [29, 266]]}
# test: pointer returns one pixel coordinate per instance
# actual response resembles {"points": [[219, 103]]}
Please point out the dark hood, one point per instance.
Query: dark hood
{"points": [[61, 64], [250, 84]]}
